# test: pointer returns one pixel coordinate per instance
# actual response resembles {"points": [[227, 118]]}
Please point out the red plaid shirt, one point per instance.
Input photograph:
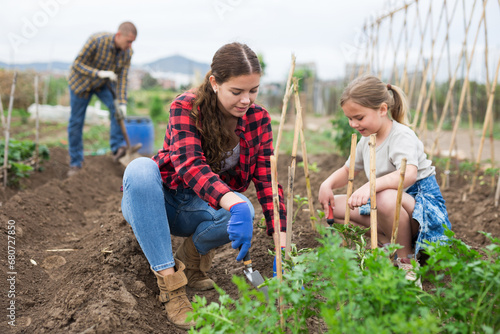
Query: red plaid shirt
{"points": [[183, 164]]}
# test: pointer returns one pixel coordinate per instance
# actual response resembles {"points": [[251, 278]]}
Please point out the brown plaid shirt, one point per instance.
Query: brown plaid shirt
{"points": [[100, 54]]}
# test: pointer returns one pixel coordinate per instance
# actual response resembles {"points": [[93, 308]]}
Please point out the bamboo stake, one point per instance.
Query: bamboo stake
{"points": [[366, 66], [291, 171], [394, 11], [464, 87], [420, 53], [399, 197], [423, 85], [37, 132], [394, 72], [375, 63], [2, 112], [276, 205], [352, 74], [434, 74], [497, 193], [469, 102], [350, 181], [373, 193], [492, 139], [386, 49], [449, 94], [288, 92], [312, 216], [487, 119], [403, 82], [7, 130]]}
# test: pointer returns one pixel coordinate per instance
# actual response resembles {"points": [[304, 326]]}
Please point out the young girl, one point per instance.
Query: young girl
{"points": [[367, 102], [217, 142]]}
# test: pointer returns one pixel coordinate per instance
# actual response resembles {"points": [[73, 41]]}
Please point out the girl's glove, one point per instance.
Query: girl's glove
{"points": [[274, 263]]}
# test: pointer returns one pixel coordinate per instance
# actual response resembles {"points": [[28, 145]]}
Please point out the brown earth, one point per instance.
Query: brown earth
{"points": [[100, 282]]}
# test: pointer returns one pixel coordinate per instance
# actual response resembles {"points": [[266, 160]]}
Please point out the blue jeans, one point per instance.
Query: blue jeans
{"points": [[155, 212], [77, 119]]}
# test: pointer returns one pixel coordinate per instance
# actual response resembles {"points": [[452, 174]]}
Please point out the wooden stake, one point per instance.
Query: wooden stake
{"points": [[373, 193], [277, 229], [298, 106], [452, 82], [394, 71], [2, 112], [487, 118], [492, 121], [37, 131], [434, 74], [350, 181], [289, 212], [291, 170], [399, 198], [288, 92], [403, 81], [7, 130], [423, 85], [497, 193], [420, 54], [464, 87]]}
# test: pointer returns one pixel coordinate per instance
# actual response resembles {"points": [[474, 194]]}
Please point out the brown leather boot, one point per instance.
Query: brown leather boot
{"points": [[196, 265], [173, 296]]}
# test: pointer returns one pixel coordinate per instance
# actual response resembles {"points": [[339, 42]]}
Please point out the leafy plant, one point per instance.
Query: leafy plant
{"points": [[18, 159], [467, 285], [313, 168], [343, 135], [157, 110], [300, 202], [326, 290], [325, 283]]}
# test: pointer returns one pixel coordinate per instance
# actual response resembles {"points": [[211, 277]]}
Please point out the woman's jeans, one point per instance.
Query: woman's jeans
{"points": [[155, 212]]}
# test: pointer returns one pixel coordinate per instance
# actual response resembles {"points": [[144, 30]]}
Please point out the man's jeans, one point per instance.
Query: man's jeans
{"points": [[77, 119], [155, 212]]}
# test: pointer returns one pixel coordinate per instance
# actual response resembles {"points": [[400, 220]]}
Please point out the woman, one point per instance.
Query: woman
{"points": [[216, 142]]}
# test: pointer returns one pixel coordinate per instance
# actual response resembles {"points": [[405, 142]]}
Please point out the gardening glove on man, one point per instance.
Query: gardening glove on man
{"points": [[240, 228], [107, 75], [123, 110], [274, 263]]}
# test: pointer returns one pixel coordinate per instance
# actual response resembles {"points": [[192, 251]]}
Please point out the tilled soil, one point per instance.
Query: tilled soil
{"points": [[79, 269]]}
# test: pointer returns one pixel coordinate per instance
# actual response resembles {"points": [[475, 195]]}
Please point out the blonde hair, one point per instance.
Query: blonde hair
{"points": [[370, 92]]}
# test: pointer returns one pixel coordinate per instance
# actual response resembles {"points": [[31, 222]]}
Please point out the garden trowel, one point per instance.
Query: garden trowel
{"points": [[254, 276]]}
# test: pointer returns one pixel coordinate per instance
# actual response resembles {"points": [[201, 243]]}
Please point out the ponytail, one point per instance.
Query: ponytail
{"points": [[399, 107]]}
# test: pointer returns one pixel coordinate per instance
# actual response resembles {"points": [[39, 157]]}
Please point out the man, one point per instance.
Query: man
{"points": [[101, 66]]}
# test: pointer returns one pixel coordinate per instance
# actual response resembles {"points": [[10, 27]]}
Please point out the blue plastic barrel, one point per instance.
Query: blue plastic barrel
{"points": [[140, 129]]}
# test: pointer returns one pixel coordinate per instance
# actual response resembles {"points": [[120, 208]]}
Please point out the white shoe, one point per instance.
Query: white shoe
{"points": [[410, 274]]}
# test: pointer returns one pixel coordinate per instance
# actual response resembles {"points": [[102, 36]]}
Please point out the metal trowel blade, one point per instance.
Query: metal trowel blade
{"points": [[256, 279]]}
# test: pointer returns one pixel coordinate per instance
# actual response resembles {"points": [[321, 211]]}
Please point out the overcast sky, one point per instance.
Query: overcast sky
{"points": [[320, 31]]}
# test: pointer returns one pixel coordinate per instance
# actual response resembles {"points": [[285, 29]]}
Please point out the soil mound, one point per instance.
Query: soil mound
{"points": [[79, 269]]}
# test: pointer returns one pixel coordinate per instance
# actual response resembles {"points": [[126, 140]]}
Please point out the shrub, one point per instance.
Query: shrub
{"points": [[343, 133], [19, 154]]}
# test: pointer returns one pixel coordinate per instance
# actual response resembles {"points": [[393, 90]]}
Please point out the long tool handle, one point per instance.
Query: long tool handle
{"points": [[119, 116]]}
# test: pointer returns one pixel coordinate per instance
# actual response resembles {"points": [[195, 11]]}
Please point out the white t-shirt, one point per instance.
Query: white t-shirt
{"points": [[402, 142]]}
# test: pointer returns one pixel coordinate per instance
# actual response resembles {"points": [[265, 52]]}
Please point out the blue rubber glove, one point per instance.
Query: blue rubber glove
{"points": [[240, 228], [274, 264]]}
